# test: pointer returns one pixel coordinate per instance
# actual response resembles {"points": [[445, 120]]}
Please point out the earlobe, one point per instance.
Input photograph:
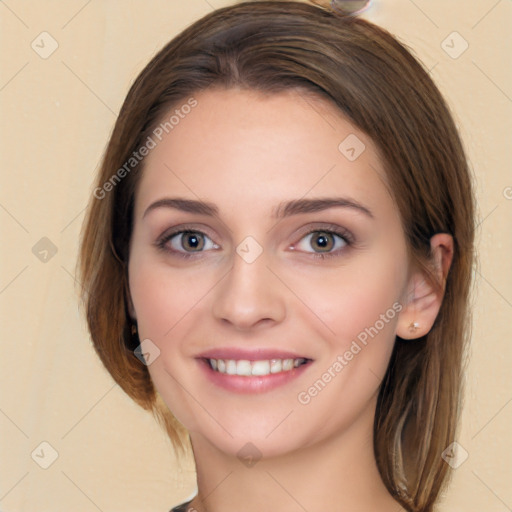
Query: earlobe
{"points": [[424, 294]]}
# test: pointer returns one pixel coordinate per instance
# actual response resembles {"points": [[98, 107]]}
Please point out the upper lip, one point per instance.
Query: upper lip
{"points": [[260, 354]]}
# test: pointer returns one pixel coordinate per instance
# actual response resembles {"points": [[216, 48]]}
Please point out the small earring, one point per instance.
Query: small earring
{"points": [[413, 327], [134, 329]]}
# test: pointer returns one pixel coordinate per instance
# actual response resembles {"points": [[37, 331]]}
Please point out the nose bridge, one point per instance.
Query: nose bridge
{"points": [[249, 294]]}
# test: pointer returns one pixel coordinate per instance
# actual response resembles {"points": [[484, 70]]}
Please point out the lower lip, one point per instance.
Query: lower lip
{"points": [[254, 384]]}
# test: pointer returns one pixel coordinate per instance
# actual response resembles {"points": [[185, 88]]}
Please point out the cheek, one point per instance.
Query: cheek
{"points": [[166, 303], [353, 302], [361, 310], [163, 297]]}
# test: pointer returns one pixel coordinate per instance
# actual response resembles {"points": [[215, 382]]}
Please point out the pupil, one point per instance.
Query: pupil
{"points": [[324, 241], [193, 241]]}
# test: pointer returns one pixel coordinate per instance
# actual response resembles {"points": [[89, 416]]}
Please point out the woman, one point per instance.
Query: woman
{"points": [[277, 260]]}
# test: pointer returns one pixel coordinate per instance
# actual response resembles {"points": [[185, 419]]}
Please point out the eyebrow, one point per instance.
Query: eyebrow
{"points": [[285, 209], [298, 206], [185, 205]]}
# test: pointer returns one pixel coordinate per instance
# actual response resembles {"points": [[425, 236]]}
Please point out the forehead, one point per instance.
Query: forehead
{"points": [[241, 148]]}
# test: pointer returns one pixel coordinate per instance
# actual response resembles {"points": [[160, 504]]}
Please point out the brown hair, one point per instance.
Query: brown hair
{"points": [[374, 81]]}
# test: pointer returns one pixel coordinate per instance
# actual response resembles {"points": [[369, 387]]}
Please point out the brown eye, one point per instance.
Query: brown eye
{"points": [[191, 241], [187, 242], [321, 241]]}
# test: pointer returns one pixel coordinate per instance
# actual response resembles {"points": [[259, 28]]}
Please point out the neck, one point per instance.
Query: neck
{"points": [[340, 473]]}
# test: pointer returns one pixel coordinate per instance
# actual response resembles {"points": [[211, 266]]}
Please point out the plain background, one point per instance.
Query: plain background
{"points": [[56, 115]]}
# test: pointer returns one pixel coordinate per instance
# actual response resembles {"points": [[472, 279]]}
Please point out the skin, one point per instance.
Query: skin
{"points": [[246, 153]]}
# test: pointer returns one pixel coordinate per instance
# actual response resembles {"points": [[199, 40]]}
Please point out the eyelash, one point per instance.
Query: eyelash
{"points": [[345, 235], [329, 229], [164, 239]]}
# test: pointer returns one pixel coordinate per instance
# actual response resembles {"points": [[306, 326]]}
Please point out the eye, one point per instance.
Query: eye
{"points": [[322, 242], [187, 242]]}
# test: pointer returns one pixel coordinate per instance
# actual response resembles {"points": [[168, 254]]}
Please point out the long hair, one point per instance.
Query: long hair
{"points": [[375, 82]]}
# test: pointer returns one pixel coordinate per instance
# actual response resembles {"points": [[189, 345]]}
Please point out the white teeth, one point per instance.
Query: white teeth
{"points": [[276, 366], [247, 368], [287, 364], [243, 367], [231, 367], [260, 368]]}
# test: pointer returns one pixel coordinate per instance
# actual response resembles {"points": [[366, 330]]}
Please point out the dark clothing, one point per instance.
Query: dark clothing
{"points": [[182, 507]]}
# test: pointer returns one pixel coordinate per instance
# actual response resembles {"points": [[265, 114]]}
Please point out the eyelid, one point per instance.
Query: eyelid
{"points": [[336, 230], [328, 228], [162, 241], [181, 228], [204, 236], [345, 234]]}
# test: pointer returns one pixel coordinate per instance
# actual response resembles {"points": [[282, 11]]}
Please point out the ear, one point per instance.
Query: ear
{"points": [[424, 298]]}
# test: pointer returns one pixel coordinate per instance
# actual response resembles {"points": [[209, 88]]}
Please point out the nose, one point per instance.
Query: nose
{"points": [[249, 296]]}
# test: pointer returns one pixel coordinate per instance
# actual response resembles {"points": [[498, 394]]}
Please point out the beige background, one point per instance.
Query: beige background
{"points": [[56, 115]]}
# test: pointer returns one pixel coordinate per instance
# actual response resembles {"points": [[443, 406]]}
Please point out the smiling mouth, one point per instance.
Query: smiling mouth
{"points": [[245, 368]]}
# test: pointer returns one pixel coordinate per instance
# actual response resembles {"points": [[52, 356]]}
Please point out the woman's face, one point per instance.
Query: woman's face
{"points": [[266, 245]]}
